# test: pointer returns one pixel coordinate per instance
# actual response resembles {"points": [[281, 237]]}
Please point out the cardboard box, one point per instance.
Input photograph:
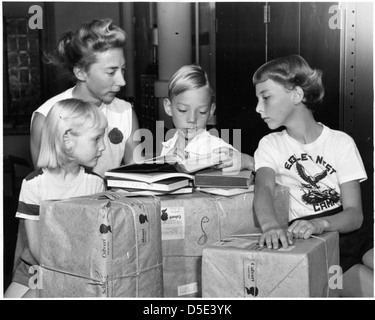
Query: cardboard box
{"points": [[194, 221], [106, 245], [182, 276], [238, 268]]}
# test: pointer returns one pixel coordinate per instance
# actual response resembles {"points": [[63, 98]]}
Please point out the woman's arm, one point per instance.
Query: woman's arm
{"points": [[32, 233], [35, 136], [265, 211], [132, 153], [348, 220]]}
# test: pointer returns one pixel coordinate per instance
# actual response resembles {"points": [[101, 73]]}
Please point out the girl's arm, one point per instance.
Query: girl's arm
{"points": [[348, 220], [35, 136], [265, 211], [132, 153], [32, 233]]}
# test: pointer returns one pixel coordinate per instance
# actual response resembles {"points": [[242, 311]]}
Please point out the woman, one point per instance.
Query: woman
{"points": [[94, 56]]}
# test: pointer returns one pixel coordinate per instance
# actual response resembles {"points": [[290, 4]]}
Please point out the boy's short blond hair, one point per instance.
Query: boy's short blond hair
{"points": [[188, 77]]}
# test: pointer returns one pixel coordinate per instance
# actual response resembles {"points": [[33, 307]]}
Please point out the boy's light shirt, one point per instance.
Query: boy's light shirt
{"points": [[202, 145]]}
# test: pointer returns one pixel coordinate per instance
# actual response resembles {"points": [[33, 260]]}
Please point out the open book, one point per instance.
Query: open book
{"points": [[162, 167], [184, 190], [121, 173], [189, 165], [169, 184]]}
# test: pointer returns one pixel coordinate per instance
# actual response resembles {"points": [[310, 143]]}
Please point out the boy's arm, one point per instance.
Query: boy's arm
{"points": [[232, 160], [273, 233], [247, 162], [348, 220], [32, 233]]}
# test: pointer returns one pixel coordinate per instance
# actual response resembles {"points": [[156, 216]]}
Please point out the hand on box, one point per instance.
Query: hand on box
{"points": [[276, 237], [303, 229]]}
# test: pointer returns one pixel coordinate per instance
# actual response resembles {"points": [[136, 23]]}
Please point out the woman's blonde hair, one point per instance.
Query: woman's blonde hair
{"points": [[73, 115], [77, 49], [292, 71]]}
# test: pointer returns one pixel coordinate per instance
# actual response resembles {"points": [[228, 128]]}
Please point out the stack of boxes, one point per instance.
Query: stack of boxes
{"points": [[102, 246], [193, 222], [111, 245]]}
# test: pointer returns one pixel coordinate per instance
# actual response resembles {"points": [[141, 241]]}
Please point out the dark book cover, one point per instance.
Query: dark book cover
{"points": [[216, 178], [145, 168]]}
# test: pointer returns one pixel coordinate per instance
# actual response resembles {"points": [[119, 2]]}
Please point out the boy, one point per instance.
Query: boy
{"points": [[190, 104]]}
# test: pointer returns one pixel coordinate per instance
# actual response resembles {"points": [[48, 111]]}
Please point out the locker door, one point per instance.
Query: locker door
{"points": [[320, 46], [240, 50], [244, 41], [283, 29]]}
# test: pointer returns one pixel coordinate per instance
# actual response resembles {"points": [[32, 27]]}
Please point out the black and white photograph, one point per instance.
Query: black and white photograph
{"points": [[187, 152]]}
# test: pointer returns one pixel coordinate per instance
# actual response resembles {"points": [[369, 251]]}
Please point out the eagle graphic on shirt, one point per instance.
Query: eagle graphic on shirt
{"points": [[313, 192]]}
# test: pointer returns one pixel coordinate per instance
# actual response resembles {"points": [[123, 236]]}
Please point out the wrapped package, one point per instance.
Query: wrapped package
{"points": [[237, 267], [194, 221], [106, 245], [182, 276]]}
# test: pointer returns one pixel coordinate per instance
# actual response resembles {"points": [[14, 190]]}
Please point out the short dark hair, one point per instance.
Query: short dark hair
{"points": [[292, 71]]}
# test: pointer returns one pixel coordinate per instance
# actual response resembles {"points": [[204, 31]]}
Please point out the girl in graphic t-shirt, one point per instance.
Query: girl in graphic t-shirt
{"points": [[322, 168]]}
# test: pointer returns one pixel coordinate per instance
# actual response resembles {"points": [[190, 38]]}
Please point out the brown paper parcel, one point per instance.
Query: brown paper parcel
{"points": [[182, 276], [238, 267], [97, 247], [194, 221]]}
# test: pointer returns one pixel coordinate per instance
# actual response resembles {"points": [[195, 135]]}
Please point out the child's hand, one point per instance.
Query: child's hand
{"points": [[175, 154], [230, 159], [247, 162], [303, 229], [272, 238], [233, 161]]}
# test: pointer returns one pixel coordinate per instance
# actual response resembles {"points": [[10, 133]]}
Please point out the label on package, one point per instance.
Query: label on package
{"points": [[105, 231], [187, 289], [237, 243], [250, 278], [172, 223]]}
